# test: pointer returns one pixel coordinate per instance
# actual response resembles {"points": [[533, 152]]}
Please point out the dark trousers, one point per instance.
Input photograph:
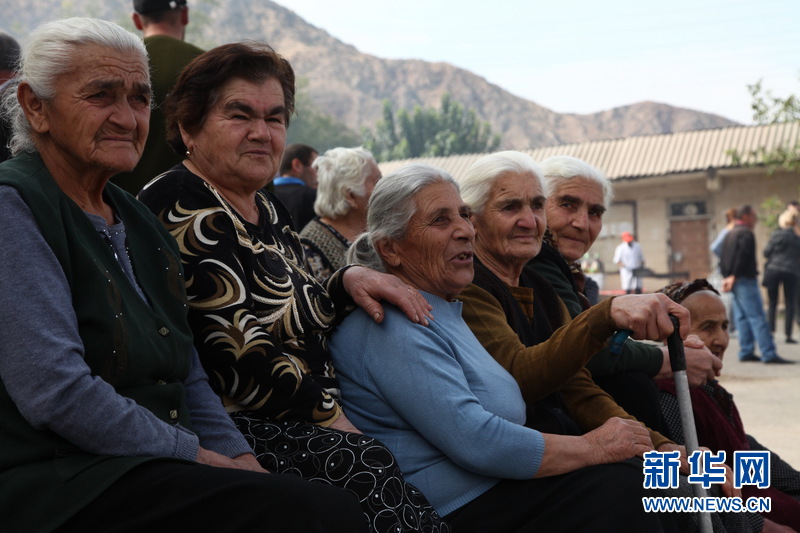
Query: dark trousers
{"points": [[182, 497], [772, 281], [637, 394], [592, 499]]}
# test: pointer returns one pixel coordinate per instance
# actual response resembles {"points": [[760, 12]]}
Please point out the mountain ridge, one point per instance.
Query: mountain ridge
{"points": [[351, 85]]}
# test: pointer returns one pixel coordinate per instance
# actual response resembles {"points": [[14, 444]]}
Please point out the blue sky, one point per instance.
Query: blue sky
{"points": [[580, 56]]}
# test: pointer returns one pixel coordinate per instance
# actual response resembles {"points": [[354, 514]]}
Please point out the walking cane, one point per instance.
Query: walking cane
{"points": [[677, 361]]}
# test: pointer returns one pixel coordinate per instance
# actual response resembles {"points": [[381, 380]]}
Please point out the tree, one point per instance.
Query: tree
{"points": [[769, 210], [429, 132], [770, 109]]}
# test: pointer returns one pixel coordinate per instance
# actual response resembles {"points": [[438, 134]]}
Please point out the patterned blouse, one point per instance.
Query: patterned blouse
{"points": [[259, 319], [325, 248]]}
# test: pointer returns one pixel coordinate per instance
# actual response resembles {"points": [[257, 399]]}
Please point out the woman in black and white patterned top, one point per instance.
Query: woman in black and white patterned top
{"points": [[259, 319]]}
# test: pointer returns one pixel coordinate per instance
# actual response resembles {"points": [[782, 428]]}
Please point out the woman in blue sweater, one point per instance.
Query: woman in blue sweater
{"points": [[451, 415]]}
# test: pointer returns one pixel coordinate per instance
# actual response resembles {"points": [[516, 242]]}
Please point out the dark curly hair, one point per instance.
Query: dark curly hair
{"points": [[197, 88]]}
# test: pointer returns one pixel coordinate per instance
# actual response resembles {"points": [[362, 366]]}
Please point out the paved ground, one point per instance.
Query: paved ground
{"points": [[768, 397]]}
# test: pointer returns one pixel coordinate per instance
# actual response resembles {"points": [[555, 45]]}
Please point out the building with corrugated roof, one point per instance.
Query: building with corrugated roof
{"points": [[671, 190]]}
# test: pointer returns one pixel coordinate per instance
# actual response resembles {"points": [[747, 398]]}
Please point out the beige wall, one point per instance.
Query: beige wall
{"points": [[642, 206]]}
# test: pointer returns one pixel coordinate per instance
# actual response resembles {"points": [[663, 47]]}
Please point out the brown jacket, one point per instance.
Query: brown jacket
{"points": [[537, 370]]}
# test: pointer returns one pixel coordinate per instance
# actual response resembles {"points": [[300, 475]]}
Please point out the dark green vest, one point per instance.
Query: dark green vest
{"points": [[142, 351]]}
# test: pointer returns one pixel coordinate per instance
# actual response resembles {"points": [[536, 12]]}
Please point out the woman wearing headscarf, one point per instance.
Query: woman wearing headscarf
{"points": [[515, 313], [719, 426]]}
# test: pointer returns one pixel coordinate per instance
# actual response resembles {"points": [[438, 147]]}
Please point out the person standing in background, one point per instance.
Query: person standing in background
{"points": [[794, 206], [296, 184], [346, 179], [628, 255], [163, 25], [716, 249], [783, 256], [739, 272]]}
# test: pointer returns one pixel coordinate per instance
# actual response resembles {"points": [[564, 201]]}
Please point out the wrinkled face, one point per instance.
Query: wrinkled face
{"points": [[435, 255], [99, 117], [241, 141], [575, 216], [510, 227], [709, 320]]}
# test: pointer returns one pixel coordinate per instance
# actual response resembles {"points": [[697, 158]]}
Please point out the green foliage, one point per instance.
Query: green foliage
{"points": [[769, 211], [312, 127], [450, 130], [770, 109]]}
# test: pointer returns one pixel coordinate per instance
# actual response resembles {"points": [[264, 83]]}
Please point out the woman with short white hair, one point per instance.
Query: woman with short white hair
{"points": [[345, 179], [107, 418]]}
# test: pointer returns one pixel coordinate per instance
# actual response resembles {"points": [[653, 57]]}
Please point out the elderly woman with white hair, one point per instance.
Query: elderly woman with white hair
{"points": [[106, 415], [522, 323], [579, 196], [454, 417], [517, 315], [345, 179]]}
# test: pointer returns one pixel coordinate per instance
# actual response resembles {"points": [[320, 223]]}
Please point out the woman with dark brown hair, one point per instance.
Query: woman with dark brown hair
{"points": [[260, 320]]}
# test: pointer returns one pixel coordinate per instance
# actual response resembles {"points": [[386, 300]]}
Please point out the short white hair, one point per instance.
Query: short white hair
{"points": [[391, 207], [561, 168], [52, 50], [477, 181], [339, 171]]}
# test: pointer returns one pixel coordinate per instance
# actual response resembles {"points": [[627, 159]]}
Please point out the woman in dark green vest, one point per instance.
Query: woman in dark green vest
{"points": [[106, 417]]}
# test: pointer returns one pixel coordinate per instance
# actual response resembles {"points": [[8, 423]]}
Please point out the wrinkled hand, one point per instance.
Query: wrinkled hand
{"points": [[684, 458], [245, 461], [619, 439], [368, 287], [702, 366], [343, 424], [647, 316], [727, 488]]}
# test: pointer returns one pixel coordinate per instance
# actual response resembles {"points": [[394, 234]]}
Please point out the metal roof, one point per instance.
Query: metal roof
{"points": [[649, 155]]}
